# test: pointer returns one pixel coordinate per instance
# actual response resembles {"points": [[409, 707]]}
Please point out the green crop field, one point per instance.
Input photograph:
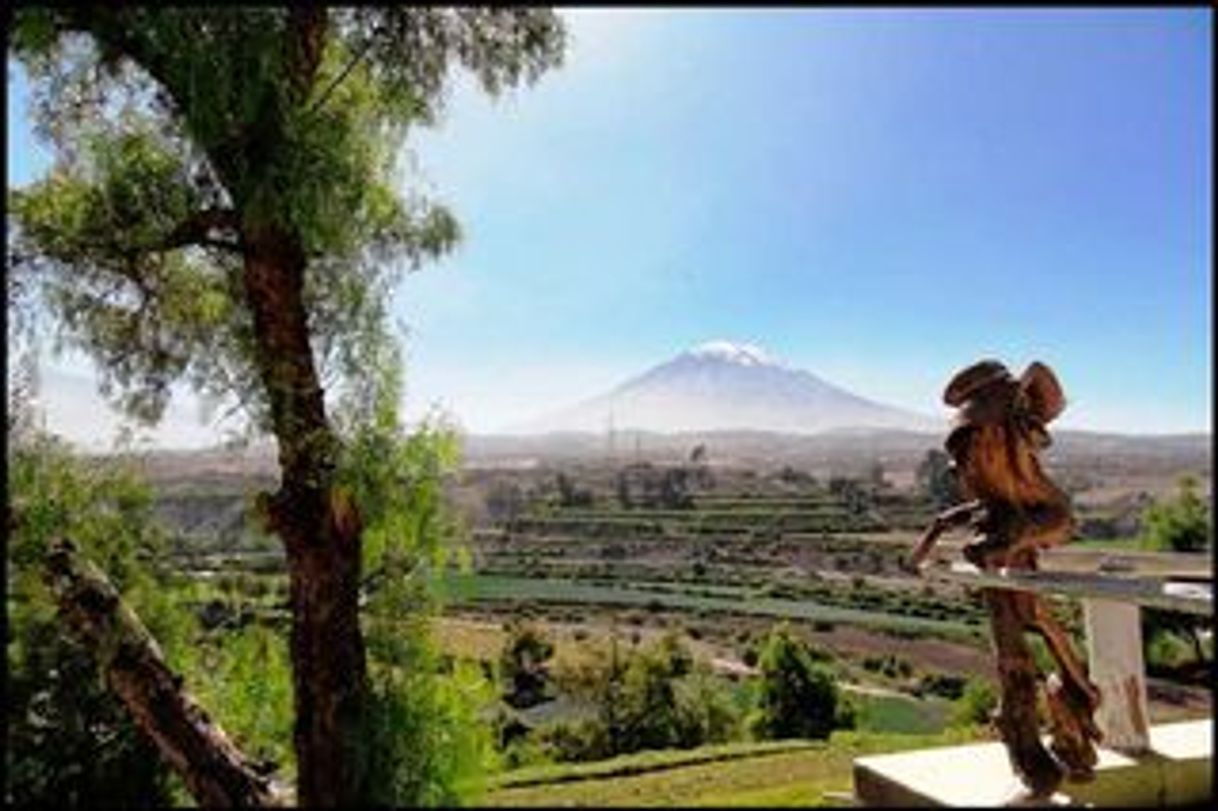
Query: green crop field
{"points": [[901, 713], [477, 587]]}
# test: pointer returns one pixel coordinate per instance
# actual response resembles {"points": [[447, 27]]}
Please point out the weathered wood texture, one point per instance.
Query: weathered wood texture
{"points": [[1111, 611], [213, 769], [1114, 649], [1080, 559], [1156, 592], [1015, 511]]}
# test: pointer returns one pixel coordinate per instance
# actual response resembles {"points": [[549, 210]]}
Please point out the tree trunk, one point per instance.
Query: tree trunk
{"points": [[322, 543], [214, 770]]}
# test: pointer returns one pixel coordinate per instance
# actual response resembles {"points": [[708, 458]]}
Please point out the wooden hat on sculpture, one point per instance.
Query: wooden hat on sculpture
{"points": [[987, 393]]}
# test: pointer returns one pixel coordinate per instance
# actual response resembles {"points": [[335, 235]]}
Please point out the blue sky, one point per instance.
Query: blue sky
{"points": [[880, 197]]}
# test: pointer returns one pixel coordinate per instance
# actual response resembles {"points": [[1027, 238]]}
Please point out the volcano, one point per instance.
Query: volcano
{"points": [[725, 386]]}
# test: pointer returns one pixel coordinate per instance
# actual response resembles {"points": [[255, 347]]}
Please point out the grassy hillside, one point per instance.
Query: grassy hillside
{"points": [[786, 773]]}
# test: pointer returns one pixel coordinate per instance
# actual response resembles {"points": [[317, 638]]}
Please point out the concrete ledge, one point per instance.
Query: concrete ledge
{"points": [[1176, 771]]}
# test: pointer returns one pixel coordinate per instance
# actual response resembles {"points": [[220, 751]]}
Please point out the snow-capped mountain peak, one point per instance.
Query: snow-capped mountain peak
{"points": [[724, 385], [741, 353]]}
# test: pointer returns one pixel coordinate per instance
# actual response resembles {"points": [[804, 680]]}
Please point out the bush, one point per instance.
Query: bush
{"points": [[706, 711], [976, 704], [1164, 651], [523, 667], [523, 752], [244, 678], [70, 741], [574, 740], [797, 698], [947, 685], [1180, 525], [846, 715], [424, 742], [653, 698]]}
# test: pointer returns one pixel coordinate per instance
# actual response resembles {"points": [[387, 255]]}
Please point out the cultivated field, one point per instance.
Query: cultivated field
{"points": [[718, 551]]}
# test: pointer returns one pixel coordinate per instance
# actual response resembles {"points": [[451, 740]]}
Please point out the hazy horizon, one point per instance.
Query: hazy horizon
{"points": [[878, 197], [76, 411]]}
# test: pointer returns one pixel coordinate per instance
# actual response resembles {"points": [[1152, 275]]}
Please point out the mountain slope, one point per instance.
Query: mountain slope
{"points": [[724, 386]]}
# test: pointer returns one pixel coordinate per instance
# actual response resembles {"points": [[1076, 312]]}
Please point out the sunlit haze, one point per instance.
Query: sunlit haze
{"points": [[876, 197]]}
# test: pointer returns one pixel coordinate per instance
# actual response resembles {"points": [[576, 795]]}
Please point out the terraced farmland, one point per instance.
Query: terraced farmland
{"points": [[719, 600]]}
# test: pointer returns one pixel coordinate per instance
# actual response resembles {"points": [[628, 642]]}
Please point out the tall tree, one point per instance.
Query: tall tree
{"points": [[222, 211]]}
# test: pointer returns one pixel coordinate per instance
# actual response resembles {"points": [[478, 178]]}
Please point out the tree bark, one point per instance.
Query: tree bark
{"points": [[320, 536], [1016, 720], [214, 770]]}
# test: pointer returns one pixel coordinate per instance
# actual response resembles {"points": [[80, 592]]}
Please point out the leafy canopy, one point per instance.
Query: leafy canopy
{"points": [[178, 132], [798, 697], [69, 739], [1182, 524]]}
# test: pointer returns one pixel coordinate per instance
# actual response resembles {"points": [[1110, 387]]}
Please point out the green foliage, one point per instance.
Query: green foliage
{"points": [[423, 741], [846, 715], [935, 479], [649, 717], [770, 774], [425, 744], [201, 152], [798, 698], [657, 697], [1183, 524], [70, 740], [644, 762], [706, 711], [181, 133], [244, 679], [581, 740], [1164, 650], [976, 704], [523, 668], [947, 685]]}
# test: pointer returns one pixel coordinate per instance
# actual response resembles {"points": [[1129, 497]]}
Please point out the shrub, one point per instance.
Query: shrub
{"points": [[653, 698], [976, 704], [797, 697], [523, 664], [706, 711], [1180, 525], [69, 740], [846, 714], [574, 740], [947, 685]]}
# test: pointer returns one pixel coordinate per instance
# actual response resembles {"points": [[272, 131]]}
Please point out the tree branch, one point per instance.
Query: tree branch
{"points": [[325, 94], [214, 770], [196, 230]]}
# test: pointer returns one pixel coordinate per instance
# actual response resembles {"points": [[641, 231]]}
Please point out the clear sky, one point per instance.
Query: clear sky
{"points": [[878, 196]]}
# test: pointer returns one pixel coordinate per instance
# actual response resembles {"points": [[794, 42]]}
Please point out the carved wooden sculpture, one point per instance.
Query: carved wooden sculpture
{"points": [[1015, 511]]}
